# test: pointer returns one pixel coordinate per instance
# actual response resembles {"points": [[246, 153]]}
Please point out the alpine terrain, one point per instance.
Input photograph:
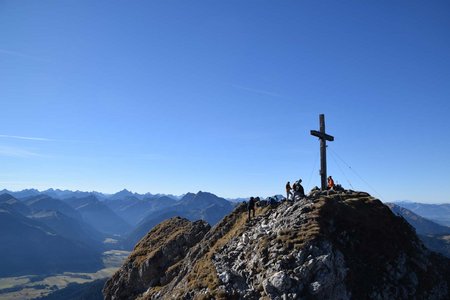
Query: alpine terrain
{"points": [[337, 245]]}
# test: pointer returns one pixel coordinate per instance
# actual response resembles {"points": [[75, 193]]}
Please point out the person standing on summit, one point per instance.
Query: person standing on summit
{"points": [[300, 189], [251, 207], [330, 183], [288, 190]]}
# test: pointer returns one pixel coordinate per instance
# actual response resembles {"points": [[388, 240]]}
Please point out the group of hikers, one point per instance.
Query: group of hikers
{"points": [[292, 193], [297, 188]]}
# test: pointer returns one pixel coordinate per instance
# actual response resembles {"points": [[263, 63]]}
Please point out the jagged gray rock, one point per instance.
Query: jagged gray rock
{"points": [[317, 269]]}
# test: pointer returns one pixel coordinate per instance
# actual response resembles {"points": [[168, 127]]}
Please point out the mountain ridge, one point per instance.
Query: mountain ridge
{"points": [[62, 194], [422, 224], [202, 205], [439, 213], [31, 247], [327, 246], [435, 236], [97, 214]]}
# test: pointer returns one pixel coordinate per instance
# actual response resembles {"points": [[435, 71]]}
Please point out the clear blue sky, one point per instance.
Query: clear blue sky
{"points": [[220, 96]]}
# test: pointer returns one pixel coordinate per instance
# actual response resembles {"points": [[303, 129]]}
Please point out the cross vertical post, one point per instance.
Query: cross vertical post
{"points": [[323, 150]]}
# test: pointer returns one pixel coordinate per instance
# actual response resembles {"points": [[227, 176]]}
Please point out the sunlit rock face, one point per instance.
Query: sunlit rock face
{"points": [[153, 260]]}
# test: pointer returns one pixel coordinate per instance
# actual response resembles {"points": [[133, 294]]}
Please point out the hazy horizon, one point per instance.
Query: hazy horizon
{"points": [[207, 191]]}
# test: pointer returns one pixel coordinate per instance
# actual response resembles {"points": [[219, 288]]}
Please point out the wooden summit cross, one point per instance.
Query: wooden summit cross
{"points": [[323, 150]]}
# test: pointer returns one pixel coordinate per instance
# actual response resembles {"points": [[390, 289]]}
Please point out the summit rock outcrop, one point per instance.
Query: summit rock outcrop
{"points": [[339, 245]]}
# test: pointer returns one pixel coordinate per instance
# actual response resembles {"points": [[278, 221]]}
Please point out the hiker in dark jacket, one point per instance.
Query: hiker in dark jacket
{"points": [[299, 192], [300, 189], [251, 207], [288, 190]]}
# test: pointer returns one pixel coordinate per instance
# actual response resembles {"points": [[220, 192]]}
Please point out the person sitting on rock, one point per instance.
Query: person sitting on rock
{"points": [[251, 207], [338, 188]]}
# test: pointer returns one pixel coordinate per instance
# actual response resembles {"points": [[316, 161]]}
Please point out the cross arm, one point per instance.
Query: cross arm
{"points": [[321, 135]]}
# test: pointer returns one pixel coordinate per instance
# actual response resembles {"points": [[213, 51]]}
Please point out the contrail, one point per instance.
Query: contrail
{"points": [[23, 55], [17, 152], [25, 138]]}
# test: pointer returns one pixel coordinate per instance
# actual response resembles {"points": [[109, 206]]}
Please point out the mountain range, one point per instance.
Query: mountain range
{"points": [[76, 226], [30, 246], [61, 194], [134, 209], [439, 213], [435, 236], [97, 214], [422, 225], [200, 206]]}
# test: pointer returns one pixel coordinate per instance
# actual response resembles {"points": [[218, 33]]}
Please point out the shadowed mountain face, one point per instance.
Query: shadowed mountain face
{"points": [[43, 235], [69, 228], [439, 243], [44, 202], [344, 245], [422, 225], [205, 206], [98, 215], [200, 206], [57, 215], [134, 210], [74, 291], [439, 213], [88, 221], [435, 236], [9, 202], [31, 247]]}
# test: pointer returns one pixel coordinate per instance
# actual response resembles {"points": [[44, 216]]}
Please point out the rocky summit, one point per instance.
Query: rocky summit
{"points": [[337, 245]]}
